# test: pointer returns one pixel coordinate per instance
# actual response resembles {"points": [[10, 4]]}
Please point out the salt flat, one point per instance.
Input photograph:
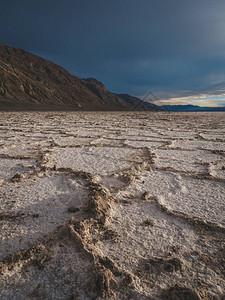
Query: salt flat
{"points": [[113, 205]]}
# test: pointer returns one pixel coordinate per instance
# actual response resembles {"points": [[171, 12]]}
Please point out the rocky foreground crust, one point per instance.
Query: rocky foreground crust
{"points": [[112, 206]]}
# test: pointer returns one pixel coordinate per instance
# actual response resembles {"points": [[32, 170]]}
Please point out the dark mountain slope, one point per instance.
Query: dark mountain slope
{"points": [[28, 79], [138, 104], [98, 89], [31, 82]]}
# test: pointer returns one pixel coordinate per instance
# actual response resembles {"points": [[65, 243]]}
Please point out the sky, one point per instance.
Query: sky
{"points": [[173, 48]]}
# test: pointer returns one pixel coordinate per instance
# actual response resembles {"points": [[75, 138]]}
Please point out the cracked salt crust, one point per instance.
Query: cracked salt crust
{"points": [[92, 159], [43, 203], [177, 157]]}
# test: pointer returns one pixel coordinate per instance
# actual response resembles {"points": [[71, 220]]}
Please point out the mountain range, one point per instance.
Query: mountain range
{"points": [[29, 82], [190, 107]]}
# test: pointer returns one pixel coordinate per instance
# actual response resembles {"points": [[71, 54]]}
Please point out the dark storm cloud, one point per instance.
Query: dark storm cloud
{"points": [[172, 47]]}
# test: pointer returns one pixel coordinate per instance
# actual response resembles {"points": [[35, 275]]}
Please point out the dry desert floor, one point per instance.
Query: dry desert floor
{"points": [[112, 205]]}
